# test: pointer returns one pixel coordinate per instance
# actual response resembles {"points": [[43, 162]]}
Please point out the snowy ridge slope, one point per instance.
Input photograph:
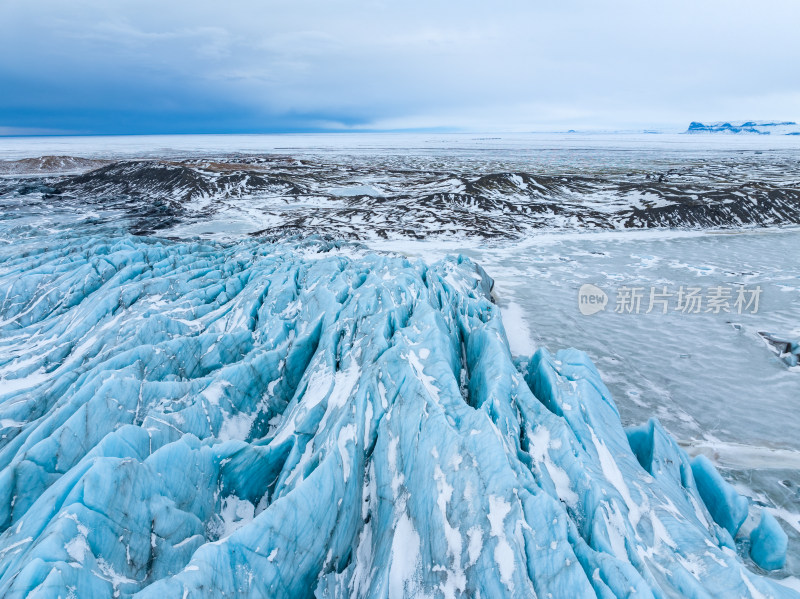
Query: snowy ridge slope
{"points": [[277, 195], [187, 419], [44, 165]]}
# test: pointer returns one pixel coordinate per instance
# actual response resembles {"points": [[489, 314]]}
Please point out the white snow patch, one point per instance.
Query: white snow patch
{"points": [[540, 445], [367, 424], [613, 474], [112, 576], [615, 526], [397, 477], [456, 581], [344, 382], [348, 433], [213, 393], [236, 426], [234, 514], [404, 570], [754, 592], [77, 548], [475, 546], [427, 381], [520, 340], [499, 508], [13, 546]]}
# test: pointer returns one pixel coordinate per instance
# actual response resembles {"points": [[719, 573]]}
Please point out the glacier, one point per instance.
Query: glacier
{"points": [[309, 418], [768, 543], [746, 127]]}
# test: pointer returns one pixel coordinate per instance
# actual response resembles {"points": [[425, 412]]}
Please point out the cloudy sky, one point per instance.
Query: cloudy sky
{"points": [[146, 66]]}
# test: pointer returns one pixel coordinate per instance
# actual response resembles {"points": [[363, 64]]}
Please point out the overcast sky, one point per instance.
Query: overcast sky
{"points": [[145, 66]]}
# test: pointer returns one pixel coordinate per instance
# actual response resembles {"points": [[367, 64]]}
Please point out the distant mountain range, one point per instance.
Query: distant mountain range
{"points": [[752, 127]]}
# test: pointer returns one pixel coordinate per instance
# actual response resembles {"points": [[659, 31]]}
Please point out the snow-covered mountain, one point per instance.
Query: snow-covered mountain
{"points": [[278, 197], [753, 127]]}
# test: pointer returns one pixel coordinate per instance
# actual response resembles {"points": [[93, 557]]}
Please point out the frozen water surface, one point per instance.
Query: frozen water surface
{"points": [[711, 379], [280, 416]]}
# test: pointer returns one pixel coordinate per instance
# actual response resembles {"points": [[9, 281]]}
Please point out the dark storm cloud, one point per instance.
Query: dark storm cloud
{"points": [[131, 67]]}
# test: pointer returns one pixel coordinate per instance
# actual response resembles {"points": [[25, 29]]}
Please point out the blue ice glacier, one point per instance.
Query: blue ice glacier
{"points": [[727, 507], [308, 419], [768, 543]]}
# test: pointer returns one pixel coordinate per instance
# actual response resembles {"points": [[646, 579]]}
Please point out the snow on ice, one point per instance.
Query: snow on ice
{"points": [[305, 419]]}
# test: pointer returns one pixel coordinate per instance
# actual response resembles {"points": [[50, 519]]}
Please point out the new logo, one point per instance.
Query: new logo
{"points": [[591, 299]]}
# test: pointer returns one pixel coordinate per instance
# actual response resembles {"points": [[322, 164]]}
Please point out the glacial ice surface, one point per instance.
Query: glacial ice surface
{"points": [[768, 543], [308, 419], [727, 507]]}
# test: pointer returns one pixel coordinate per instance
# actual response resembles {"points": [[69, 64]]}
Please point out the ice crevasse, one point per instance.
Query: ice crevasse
{"points": [[309, 419]]}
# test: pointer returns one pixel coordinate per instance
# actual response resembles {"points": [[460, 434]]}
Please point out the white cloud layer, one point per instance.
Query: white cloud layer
{"points": [[507, 65]]}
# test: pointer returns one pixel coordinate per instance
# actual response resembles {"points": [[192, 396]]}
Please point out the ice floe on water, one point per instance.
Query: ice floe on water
{"points": [[311, 419]]}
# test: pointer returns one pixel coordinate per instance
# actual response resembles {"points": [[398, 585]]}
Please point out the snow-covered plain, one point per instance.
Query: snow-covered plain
{"points": [[286, 417]]}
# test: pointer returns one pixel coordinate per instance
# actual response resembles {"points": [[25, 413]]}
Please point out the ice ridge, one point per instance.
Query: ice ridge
{"points": [[195, 419]]}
